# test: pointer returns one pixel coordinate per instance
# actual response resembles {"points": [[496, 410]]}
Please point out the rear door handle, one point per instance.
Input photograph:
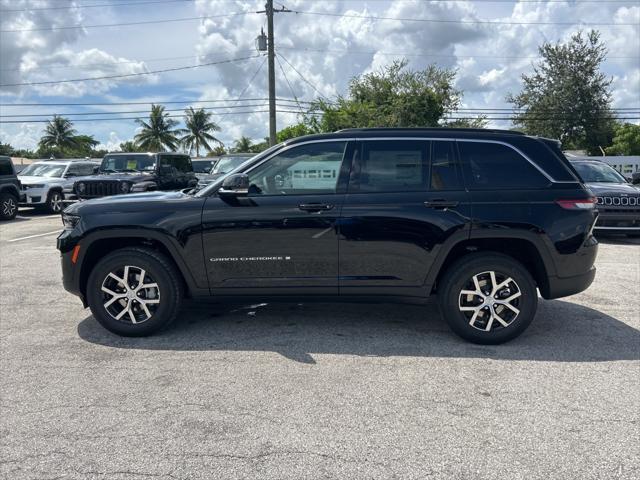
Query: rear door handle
{"points": [[315, 207], [440, 203]]}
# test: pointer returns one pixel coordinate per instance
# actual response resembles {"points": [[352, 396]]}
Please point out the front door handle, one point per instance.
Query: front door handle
{"points": [[440, 203], [315, 207]]}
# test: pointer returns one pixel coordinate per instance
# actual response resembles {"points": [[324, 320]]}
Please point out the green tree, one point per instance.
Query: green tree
{"points": [[567, 96], [478, 122], [129, 146], [58, 136], [6, 149], [198, 132], [392, 97], [626, 140], [217, 151], [293, 131], [242, 145], [158, 133]]}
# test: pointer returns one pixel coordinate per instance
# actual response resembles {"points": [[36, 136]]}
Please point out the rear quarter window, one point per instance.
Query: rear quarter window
{"points": [[497, 166], [5, 167]]}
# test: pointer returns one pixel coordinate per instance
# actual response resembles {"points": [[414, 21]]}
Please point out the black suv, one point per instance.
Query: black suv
{"points": [[121, 173], [9, 189], [483, 218]]}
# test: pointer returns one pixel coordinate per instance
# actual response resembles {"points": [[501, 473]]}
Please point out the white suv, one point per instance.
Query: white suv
{"points": [[43, 182]]}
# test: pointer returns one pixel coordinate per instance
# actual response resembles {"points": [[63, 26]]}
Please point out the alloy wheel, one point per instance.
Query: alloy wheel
{"points": [[56, 202], [9, 207], [130, 294], [490, 300]]}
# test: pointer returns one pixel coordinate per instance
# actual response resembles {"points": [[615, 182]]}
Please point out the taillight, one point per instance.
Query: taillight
{"points": [[578, 204]]}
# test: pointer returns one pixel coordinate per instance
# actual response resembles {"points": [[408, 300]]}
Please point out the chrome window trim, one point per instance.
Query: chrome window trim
{"points": [[433, 139]]}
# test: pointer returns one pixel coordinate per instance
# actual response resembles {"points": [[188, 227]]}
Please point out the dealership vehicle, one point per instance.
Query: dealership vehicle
{"points": [[224, 164], [618, 201], [635, 178], [9, 189], [202, 166], [68, 192], [483, 218], [43, 182], [121, 173]]}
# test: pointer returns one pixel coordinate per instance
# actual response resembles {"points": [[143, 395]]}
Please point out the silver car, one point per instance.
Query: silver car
{"points": [[43, 182]]}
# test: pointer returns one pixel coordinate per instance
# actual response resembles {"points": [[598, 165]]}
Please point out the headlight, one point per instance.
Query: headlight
{"points": [[125, 187], [70, 221], [143, 186], [34, 185], [81, 187]]}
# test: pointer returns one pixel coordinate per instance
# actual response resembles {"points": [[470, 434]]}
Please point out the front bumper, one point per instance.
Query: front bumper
{"points": [[619, 221], [33, 196]]}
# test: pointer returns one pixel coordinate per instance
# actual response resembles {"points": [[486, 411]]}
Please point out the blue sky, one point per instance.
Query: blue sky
{"points": [[326, 50]]}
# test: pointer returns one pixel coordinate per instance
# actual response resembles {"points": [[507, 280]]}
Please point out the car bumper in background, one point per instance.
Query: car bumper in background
{"points": [[619, 221], [33, 196]]}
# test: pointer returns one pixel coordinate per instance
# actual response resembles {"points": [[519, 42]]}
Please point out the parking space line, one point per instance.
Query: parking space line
{"points": [[33, 236]]}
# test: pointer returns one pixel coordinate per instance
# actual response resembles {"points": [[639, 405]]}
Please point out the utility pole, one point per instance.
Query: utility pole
{"points": [[271, 54]]}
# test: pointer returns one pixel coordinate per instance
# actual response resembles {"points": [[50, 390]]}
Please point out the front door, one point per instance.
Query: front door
{"points": [[282, 237], [405, 200]]}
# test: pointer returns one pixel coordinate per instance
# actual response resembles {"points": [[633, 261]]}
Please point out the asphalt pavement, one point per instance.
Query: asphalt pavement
{"points": [[312, 391]]}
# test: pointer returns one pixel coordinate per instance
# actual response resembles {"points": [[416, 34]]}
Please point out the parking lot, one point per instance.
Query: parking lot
{"points": [[314, 390]]}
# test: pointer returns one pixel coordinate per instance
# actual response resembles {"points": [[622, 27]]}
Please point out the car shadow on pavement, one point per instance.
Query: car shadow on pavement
{"points": [[562, 331]]}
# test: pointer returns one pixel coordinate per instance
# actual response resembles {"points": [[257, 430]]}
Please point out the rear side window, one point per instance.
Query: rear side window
{"points": [[393, 166], [445, 171], [493, 165], [5, 167]]}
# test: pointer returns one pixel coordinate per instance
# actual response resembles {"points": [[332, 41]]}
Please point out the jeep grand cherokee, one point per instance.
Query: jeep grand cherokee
{"points": [[485, 219]]}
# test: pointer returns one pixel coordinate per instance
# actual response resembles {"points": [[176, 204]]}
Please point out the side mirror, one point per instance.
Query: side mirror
{"points": [[236, 185]]}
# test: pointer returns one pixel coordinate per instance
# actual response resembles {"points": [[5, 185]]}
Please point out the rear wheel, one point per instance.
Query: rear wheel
{"points": [[8, 206], [488, 298], [134, 292], [54, 202]]}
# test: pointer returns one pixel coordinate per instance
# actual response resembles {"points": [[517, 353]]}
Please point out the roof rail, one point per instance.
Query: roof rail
{"points": [[430, 129]]}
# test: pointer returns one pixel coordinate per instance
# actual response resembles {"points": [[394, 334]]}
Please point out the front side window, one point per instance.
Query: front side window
{"points": [[202, 166], [180, 163], [493, 166], [307, 169], [392, 166], [5, 167]]}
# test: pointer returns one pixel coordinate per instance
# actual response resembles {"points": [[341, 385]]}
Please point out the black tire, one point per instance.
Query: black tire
{"points": [[460, 276], [157, 267], [8, 206], [54, 202]]}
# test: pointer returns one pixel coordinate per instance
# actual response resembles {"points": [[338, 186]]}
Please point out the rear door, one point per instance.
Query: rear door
{"points": [[282, 238], [405, 199]]}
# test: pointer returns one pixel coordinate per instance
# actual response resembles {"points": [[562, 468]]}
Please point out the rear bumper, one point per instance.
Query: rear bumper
{"points": [[70, 270], [565, 286]]}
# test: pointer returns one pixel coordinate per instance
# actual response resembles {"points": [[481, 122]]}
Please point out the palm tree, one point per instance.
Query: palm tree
{"points": [[158, 134], [243, 144], [59, 134], [199, 125]]}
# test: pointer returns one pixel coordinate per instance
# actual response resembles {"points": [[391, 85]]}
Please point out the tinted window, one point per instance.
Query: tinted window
{"points": [[493, 165], [181, 163], [598, 172], [5, 167], [123, 163], [392, 166], [445, 171], [202, 166], [307, 169]]}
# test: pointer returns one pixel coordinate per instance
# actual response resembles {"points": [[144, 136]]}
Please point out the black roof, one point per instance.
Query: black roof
{"points": [[412, 132]]}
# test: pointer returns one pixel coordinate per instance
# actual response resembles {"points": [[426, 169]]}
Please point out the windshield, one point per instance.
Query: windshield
{"points": [[202, 166], [214, 185], [598, 173], [44, 170], [128, 163], [226, 164]]}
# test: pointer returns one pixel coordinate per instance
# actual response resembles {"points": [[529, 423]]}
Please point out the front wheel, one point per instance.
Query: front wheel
{"points": [[488, 298], [8, 206], [54, 202], [134, 292]]}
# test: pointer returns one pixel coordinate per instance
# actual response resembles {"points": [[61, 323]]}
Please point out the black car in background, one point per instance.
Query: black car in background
{"points": [[9, 189], [121, 173], [223, 165], [485, 219], [202, 166], [618, 201]]}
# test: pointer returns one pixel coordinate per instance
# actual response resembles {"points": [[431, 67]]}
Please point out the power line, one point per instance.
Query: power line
{"points": [[144, 22], [288, 83], [108, 77], [135, 118], [195, 100], [301, 76], [74, 7], [471, 22]]}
